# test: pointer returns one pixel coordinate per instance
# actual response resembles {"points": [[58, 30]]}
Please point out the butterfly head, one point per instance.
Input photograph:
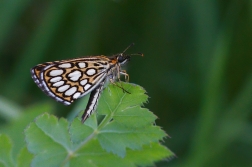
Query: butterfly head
{"points": [[123, 58]]}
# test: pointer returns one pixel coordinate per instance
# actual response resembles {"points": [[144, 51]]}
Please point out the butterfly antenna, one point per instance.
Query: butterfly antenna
{"points": [[128, 47], [139, 54]]}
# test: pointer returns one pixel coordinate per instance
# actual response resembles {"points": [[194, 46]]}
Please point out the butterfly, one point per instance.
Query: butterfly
{"points": [[68, 80]]}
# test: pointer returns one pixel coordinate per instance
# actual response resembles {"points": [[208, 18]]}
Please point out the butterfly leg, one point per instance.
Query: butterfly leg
{"points": [[123, 72], [118, 72], [120, 86]]}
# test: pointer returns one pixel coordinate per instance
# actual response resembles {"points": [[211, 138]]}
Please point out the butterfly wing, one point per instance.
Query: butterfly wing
{"points": [[68, 80]]}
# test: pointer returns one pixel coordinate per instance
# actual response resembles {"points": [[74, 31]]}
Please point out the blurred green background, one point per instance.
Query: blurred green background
{"points": [[196, 66]]}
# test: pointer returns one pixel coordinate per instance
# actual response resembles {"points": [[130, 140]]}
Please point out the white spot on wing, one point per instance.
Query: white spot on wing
{"points": [[82, 65], [87, 86], [56, 72], [91, 71], [70, 91], [55, 79], [65, 65], [83, 82], [63, 88], [76, 95], [57, 84], [74, 76]]}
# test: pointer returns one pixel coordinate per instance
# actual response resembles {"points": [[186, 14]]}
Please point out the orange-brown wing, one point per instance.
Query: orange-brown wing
{"points": [[68, 80]]}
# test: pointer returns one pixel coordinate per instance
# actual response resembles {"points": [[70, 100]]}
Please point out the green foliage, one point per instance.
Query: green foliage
{"points": [[5, 151], [15, 128], [111, 142], [6, 158], [24, 158]]}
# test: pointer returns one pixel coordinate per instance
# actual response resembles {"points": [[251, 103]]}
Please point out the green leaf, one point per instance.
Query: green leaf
{"points": [[114, 99], [15, 129], [149, 154], [48, 139], [79, 131], [91, 154], [6, 158], [111, 142], [114, 133], [5, 151], [130, 118], [116, 138], [24, 158]]}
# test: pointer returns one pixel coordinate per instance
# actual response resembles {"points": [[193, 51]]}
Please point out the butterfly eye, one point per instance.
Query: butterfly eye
{"points": [[123, 59], [120, 58]]}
